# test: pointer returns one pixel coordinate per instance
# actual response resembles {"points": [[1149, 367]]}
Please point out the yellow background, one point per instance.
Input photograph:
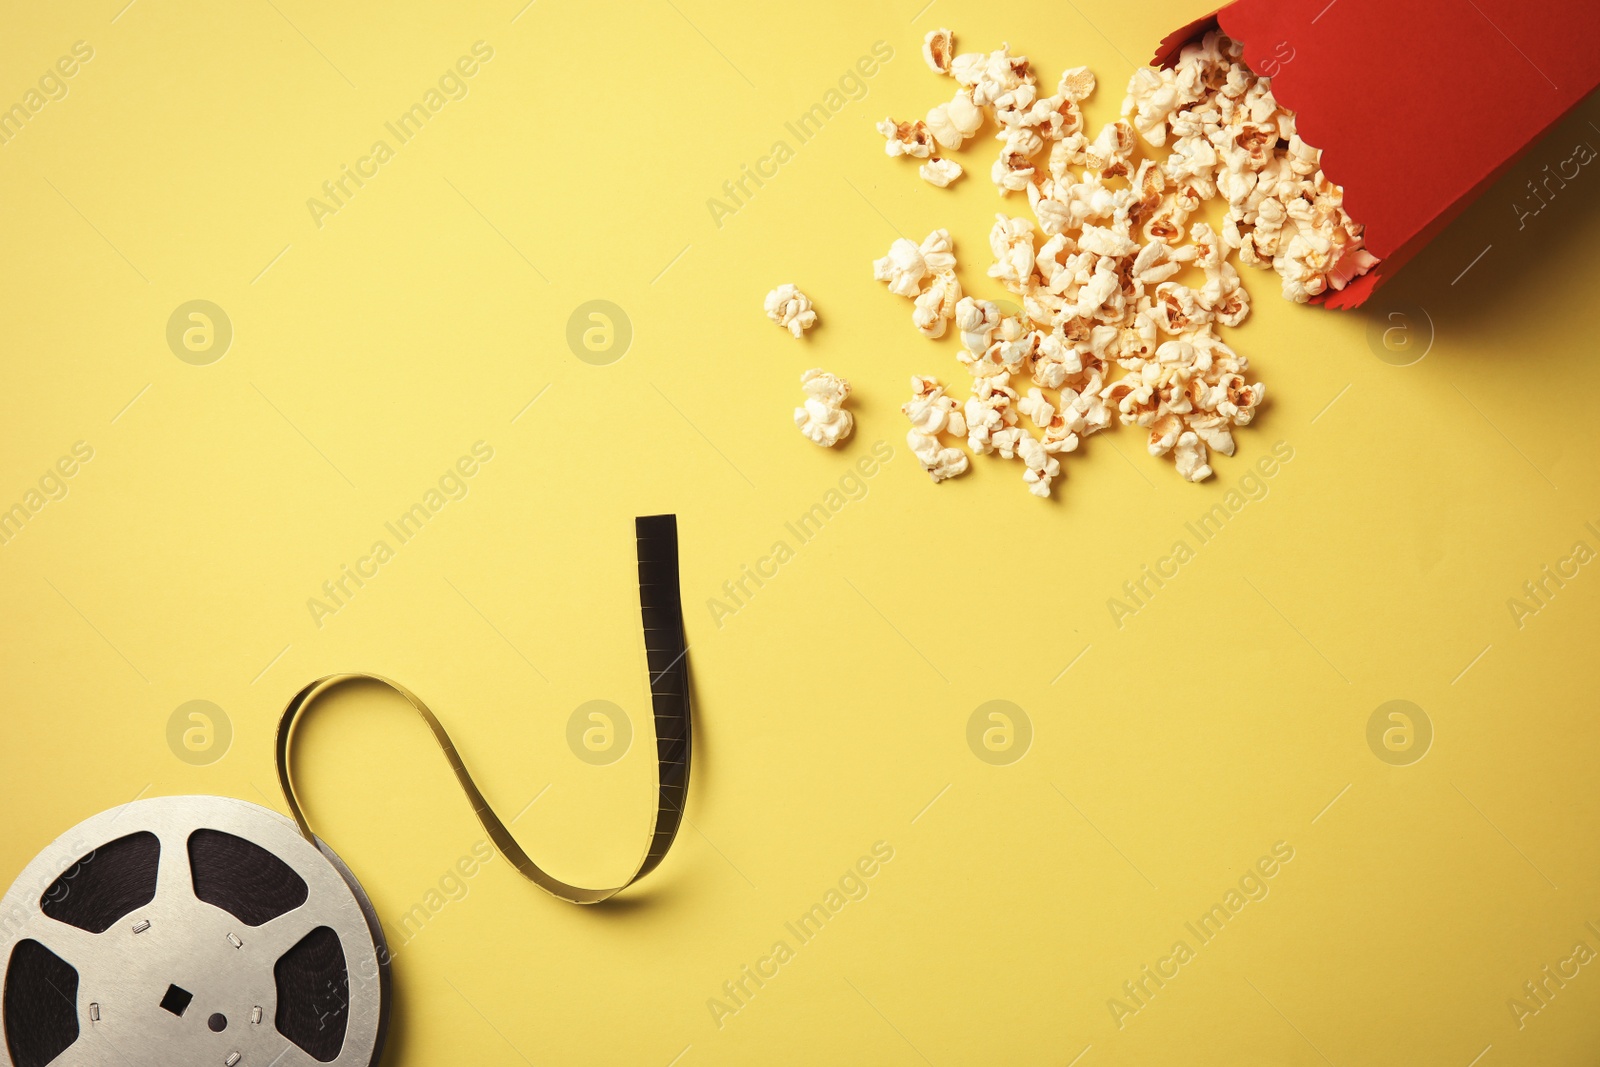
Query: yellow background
{"points": [[1228, 714]]}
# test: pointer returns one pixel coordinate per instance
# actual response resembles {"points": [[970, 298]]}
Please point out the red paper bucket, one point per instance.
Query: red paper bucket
{"points": [[1417, 105]]}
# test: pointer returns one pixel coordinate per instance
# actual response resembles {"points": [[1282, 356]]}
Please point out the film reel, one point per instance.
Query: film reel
{"points": [[190, 930]]}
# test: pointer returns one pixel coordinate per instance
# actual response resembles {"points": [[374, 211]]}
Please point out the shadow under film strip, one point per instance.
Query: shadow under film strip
{"points": [[666, 654]]}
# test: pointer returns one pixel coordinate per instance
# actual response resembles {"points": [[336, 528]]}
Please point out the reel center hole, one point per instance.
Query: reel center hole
{"points": [[176, 1000]]}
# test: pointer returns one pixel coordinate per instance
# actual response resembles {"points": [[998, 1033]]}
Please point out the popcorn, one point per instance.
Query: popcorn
{"points": [[1037, 409], [907, 264], [1076, 84], [1178, 310], [1042, 467], [1106, 242], [1152, 97], [1120, 298], [1223, 296], [938, 251], [1012, 107], [991, 76], [954, 122], [906, 138], [941, 463], [937, 48], [1110, 152], [1011, 241], [931, 413], [1100, 288], [1013, 171], [936, 305], [1016, 344], [1064, 430], [1158, 261], [1230, 132], [1054, 362], [1006, 441], [940, 172], [990, 412], [791, 309], [823, 418], [1189, 456], [902, 268], [978, 322], [1061, 427], [1189, 396]]}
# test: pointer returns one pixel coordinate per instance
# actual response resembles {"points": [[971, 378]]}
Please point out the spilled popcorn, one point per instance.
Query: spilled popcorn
{"points": [[926, 274], [790, 308], [823, 418], [931, 413], [1229, 138], [1096, 268]]}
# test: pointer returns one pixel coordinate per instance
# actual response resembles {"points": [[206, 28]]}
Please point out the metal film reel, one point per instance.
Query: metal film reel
{"points": [[193, 930]]}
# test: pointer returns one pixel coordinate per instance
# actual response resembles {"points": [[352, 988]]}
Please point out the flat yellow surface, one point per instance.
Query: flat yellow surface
{"points": [[1223, 723]]}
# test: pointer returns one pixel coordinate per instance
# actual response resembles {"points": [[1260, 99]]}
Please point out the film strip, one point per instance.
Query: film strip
{"points": [[666, 654], [210, 930]]}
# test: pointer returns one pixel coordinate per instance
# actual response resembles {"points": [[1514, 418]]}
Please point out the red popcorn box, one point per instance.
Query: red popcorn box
{"points": [[1418, 105]]}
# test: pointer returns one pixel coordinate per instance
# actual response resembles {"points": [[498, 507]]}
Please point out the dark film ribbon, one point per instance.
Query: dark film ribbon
{"points": [[666, 652]]}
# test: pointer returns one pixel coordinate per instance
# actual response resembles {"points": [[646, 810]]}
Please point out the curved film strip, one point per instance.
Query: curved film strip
{"points": [[666, 654]]}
